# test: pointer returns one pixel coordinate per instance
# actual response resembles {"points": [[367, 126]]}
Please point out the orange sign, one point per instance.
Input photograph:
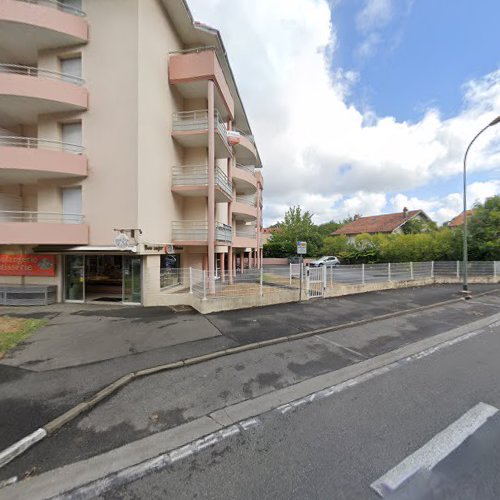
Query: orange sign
{"points": [[27, 265]]}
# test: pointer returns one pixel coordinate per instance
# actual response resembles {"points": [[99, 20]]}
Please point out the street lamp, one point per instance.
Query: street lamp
{"points": [[496, 121]]}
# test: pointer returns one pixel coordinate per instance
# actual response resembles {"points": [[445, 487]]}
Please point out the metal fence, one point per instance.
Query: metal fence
{"points": [[19, 69], [316, 282]]}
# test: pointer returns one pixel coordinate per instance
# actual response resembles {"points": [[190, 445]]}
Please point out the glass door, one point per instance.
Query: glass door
{"points": [[132, 279], [74, 282]]}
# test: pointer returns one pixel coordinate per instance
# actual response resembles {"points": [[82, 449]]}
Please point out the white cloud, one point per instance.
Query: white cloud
{"points": [[375, 14], [317, 149]]}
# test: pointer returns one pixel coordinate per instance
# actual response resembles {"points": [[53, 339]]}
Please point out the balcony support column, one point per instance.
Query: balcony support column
{"points": [[211, 188], [230, 211], [242, 261], [222, 267]]}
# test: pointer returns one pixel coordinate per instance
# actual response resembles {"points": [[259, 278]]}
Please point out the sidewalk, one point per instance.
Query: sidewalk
{"points": [[29, 399]]}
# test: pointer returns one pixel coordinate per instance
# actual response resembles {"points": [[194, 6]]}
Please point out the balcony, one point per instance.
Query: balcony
{"points": [[245, 236], [27, 92], [243, 146], [42, 228], [245, 207], [26, 160], [244, 178], [193, 181], [29, 26], [190, 71], [196, 233], [190, 130]]}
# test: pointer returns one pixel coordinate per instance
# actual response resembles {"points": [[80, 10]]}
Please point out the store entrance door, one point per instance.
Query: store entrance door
{"points": [[131, 279], [103, 278]]}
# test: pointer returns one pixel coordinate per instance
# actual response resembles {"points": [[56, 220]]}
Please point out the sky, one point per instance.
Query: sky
{"points": [[366, 106]]}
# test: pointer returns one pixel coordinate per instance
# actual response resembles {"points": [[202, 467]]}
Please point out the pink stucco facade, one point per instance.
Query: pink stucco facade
{"points": [[98, 119]]}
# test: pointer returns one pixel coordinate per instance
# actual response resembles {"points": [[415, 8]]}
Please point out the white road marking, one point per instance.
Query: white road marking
{"points": [[137, 471], [435, 450]]}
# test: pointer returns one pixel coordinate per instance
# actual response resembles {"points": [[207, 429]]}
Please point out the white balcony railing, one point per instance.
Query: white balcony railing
{"points": [[52, 217], [249, 231], [248, 136], [35, 143], [61, 5], [247, 199], [197, 175], [40, 73], [198, 231], [198, 120], [247, 168]]}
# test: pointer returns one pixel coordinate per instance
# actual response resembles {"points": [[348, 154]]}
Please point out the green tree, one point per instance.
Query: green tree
{"points": [[297, 226], [416, 226], [484, 230]]}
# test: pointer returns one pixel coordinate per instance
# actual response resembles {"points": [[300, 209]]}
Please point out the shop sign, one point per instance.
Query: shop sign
{"points": [[27, 265]]}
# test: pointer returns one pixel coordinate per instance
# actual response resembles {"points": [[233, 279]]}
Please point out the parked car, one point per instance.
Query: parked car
{"points": [[328, 261]]}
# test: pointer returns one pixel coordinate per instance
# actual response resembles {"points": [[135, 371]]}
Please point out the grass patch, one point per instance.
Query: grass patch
{"points": [[15, 330]]}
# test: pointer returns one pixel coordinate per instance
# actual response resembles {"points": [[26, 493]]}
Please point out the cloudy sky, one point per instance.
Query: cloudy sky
{"points": [[366, 106]]}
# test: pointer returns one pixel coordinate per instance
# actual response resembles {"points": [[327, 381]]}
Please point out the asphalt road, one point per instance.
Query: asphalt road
{"points": [[337, 446]]}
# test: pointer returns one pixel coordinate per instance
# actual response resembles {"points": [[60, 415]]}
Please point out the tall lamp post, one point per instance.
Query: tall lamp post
{"points": [[496, 121]]}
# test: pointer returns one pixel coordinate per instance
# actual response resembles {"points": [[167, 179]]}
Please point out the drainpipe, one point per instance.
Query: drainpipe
{"points": [[211, 188]]}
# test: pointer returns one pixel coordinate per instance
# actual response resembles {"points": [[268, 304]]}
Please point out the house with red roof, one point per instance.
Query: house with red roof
{"points": [[385, 223], [459, 219]]}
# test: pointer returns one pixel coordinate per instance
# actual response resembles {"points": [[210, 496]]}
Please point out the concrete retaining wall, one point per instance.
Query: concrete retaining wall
{"points": [[284, 296]]}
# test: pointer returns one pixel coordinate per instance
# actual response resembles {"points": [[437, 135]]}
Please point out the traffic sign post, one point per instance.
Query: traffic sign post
{"points": [[301, 251]]}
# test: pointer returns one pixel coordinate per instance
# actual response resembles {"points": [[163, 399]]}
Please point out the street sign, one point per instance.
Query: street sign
{"points": [[121, 241], [301, 247]]}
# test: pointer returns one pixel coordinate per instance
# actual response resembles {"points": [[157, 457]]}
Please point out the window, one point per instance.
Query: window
{"points": [[71, 68], [72, 137], [72, 204]]}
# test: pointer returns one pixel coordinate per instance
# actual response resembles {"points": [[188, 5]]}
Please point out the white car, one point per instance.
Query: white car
{"points": [[328, 261]]}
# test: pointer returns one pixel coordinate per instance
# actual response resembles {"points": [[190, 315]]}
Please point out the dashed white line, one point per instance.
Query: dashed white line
{"points": [[435, 450]]}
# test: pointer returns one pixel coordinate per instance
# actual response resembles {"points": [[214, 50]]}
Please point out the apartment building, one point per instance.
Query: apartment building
{"points": [[124, 149]]}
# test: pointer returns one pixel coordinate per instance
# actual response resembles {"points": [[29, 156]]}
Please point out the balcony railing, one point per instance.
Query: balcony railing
{"points": [[197, 175], [223, 232], [247, 199], [248, 136], [35, 143], [247, 168], [40, 73], [57, 5], [198, 120], [49, 217], [246, 231], [198, 231]]}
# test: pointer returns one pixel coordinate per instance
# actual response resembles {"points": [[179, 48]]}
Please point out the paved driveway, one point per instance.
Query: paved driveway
{"points": [[82, 334]]}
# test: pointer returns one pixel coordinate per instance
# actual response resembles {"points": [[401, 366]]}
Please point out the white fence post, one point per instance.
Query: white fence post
{"points": [[432, 269], [307, 281], [290, 269], [458, 269], [389, 271], [204, 285], [261, 280], [411, 271], [191, 280], [324, 277], [331, 276], [363, 274]]}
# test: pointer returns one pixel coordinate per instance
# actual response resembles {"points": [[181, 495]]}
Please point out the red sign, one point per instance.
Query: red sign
{"points": [[27, 265]]}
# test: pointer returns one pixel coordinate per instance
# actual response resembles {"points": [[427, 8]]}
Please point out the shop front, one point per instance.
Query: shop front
{"points": [[98, 278]]}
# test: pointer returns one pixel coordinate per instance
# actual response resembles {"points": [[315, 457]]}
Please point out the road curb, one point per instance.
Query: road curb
{"points": [[54, 425], [99, 468]]}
